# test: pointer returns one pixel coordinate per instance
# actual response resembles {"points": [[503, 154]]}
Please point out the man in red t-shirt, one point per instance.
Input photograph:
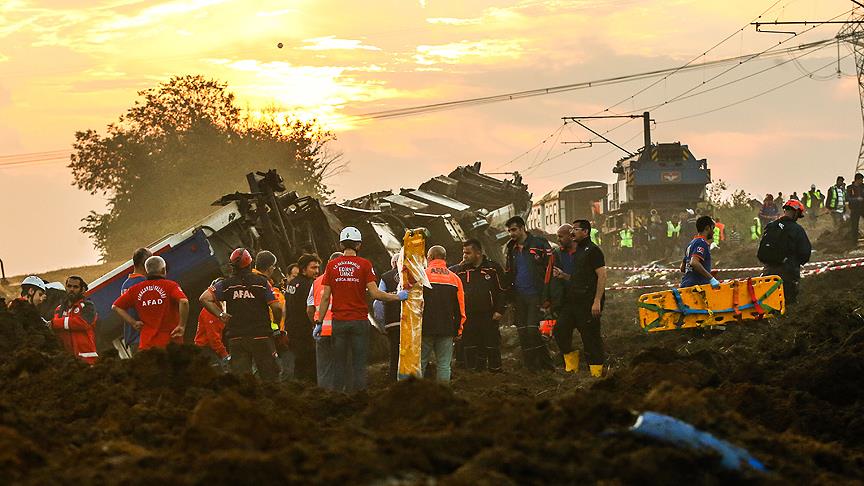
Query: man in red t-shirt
{"points": [[347, 279], [161, 305]]}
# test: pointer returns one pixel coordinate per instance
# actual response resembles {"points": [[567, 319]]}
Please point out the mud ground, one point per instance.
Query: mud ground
{"points": [[789, 390]]}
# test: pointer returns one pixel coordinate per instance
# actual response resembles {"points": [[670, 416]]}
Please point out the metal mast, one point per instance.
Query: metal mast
{"points": [[853, 33]]}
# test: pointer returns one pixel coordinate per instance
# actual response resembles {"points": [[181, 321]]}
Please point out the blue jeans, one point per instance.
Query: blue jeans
{"points": [[350, 338], [442, 346], [324, 361]]}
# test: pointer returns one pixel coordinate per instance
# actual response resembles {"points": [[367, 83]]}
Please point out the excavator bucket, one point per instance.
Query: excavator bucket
{"points": [[704, 306]]}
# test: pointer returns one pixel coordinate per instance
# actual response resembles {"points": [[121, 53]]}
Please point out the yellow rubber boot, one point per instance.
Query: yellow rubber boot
{"points": [[596, 370], [571, 361]]}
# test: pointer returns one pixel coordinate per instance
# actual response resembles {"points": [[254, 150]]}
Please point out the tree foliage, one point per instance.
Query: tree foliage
{"points": [[181, 146]]}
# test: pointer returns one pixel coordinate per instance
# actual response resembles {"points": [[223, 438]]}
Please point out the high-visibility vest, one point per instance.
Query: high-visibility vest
{"points": [[673, 230], [756, 230], [719, 232], [809, 198], [595, 236], [317, 293], [626, 238], [836, 199]]}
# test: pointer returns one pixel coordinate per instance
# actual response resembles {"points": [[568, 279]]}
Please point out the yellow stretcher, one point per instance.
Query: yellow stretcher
{"points": [[703, 306], [412, 270]]}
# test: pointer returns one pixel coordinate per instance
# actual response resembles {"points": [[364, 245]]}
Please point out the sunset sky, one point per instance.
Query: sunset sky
{"points": [[68, 65]]}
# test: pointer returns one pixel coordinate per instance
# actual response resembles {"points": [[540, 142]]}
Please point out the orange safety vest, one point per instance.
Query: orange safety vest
{"points": [[317, 292]]}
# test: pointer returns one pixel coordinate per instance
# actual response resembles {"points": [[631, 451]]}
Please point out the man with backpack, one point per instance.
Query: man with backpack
{"points": [[785, 247]]}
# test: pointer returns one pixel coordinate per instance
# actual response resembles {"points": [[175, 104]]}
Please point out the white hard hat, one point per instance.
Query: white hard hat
{"points": [[34, 281], [350, 234], [56, 286]]}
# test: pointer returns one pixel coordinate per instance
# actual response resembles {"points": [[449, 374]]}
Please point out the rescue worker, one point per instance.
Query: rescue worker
{"points": [[291, 273], [25, 309], [131, 337], [625, 241], [299, 326], [161, 305], [836, 201], [769, 211], [74, 322], [756, 229], [583, 301], [484, 307], [595, 236], [855, 194], [208, 335], [324, 358], [443, 313], [347, 280], [265, 265], [527, 259], [673, 231], [55, 294], [789, 248], [696, 265], [389, 314], [813, 201], [251, 307], [719, 231]]}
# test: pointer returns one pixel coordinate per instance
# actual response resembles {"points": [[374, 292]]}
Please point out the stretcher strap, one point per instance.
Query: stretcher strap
{"points": [[735, 309], [752, 292]]}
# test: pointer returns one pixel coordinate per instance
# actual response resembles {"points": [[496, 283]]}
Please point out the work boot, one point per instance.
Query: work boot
{"points": [[596, 370], [571, 361]]}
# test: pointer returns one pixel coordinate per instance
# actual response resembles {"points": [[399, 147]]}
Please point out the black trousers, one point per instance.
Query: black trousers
{"points": [[481, 342], [257, 351], [791, 275], [393, 339], [302, 345], [856, 215], [577, 315], [535, 355]]}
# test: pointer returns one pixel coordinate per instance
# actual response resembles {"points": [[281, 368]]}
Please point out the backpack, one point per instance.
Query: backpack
{"points": [[772, 248]]}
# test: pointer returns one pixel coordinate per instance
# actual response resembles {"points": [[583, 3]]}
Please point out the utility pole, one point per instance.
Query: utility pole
{"points": [[646, 121], [852, 33]]}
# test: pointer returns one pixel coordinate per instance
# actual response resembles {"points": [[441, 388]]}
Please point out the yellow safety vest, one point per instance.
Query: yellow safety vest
{"points": [[756, 230], [626, 238], [673, 231], [595, 236]]}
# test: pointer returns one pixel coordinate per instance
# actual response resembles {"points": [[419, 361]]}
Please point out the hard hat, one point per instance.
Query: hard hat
{"points": [[240, 258], [812, 186], [56, 286], [35, 282], [350, 234], [795, 204]]}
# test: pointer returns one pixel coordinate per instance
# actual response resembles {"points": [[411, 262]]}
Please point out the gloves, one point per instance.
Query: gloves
{"points": [[316, 331], [402, 294], [715, 283]]}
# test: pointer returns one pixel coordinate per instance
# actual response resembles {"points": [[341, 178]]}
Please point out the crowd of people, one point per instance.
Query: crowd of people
{"points": [[314, 324]]}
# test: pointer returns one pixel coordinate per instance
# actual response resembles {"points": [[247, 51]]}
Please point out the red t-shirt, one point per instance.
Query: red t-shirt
{"points": [[347, 278], [156, 301]]}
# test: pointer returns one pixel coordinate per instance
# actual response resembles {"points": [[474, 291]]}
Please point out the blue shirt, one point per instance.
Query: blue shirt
{"points": [[130, 335], [700, 248], [522, 281]]}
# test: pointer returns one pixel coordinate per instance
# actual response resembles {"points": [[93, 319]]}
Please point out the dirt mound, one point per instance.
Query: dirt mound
{"points": [[788, 390]]}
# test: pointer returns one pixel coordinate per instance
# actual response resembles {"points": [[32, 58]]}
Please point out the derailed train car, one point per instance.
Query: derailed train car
{"points": [[463, 204]]}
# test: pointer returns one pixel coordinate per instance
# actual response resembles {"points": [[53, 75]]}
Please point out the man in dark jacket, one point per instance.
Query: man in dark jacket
{"points": [[527, 274], [389, 314], [855, 194], [793, 251], [297, 324], [443, 313], [484, 307]]}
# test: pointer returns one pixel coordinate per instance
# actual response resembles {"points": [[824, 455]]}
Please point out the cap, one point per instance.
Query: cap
{"points": [[812, 186], [350, 234], [35, 282], [240, 258]]}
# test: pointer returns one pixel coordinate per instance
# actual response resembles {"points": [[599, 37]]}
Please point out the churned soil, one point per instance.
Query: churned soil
{"points": [[789, 390]]}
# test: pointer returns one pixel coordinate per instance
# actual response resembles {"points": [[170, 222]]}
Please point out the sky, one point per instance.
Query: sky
{"points": [[69, 65]]}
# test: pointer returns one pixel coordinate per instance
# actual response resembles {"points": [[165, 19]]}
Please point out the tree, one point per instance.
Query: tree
{"points": [[182, 145]]}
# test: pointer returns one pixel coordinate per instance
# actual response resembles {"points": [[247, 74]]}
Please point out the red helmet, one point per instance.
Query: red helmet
{"points": [[795, 204], [240, 258]]}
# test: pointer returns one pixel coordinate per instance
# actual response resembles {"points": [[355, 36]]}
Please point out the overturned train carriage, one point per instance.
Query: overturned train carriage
{"points": [[464, 204]]}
